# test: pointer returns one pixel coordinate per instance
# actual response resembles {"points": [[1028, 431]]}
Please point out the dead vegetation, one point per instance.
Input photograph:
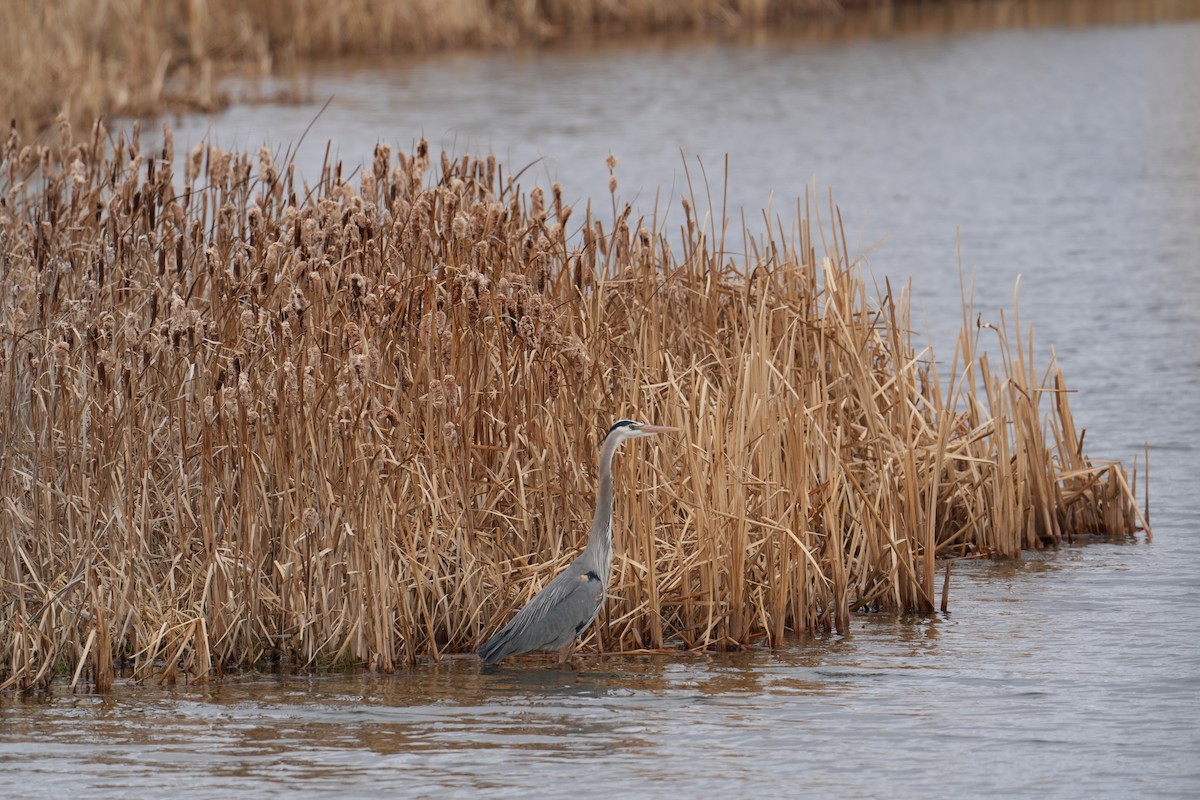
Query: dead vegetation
{"points": [[247, 420]]}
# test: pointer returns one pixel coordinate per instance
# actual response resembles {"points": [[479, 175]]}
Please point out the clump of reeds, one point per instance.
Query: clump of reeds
{"points": [[136, 57], [246, 420]]}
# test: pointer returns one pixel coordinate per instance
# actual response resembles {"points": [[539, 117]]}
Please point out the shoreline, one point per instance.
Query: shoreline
{"points": [[174, 62]]}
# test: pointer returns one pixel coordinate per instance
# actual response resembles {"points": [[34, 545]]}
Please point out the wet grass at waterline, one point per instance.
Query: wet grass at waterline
{"points": [[357, 423]]}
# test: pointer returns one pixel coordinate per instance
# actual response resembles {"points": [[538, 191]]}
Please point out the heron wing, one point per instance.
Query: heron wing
{"points": [[553, 617]]}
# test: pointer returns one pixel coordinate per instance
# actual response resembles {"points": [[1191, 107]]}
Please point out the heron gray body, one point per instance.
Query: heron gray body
{"points": [[564, 609]]}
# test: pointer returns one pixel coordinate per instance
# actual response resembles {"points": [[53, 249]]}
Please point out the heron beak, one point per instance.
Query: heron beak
{"points": [[649, 429]]}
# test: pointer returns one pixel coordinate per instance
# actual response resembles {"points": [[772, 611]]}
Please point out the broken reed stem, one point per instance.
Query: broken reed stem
{"points": [[247, 422]]}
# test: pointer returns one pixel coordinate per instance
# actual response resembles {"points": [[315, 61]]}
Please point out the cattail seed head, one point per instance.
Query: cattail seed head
{"points": [[194, 163], [267, 173], [64, 130], [526, 331], [358, 371], [78, 176], [168, 145], [358, 286], [351, 339], [383, 157], [291, 388], [345, 419], [229, 400], [537, 199], [245, 394], [60, 353], [461, 227], [310, 384]]}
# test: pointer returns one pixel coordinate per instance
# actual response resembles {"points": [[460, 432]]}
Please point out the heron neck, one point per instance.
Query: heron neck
{"points": [[600, 538]]}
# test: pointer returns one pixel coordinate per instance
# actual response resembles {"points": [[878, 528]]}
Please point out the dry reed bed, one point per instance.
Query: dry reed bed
{"points": [[137, 57], [246, 420]]}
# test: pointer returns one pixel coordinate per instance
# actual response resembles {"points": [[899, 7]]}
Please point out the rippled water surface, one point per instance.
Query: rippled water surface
{"points": [[1070, 157]]}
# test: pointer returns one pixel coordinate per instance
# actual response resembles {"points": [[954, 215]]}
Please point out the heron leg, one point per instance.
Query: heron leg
{"points": [[565, 652]]}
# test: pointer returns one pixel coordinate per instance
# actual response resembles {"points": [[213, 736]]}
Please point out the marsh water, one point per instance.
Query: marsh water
{"points": [[1068, 156]]}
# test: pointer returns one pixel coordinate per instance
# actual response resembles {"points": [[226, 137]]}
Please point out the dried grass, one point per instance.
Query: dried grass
{"points": [[245, 420]]}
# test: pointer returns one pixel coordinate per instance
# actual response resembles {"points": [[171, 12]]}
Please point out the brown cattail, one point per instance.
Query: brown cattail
{"points": [[195, 162], [345, 419], [168, 147], [291, 388], [245, 394], [537, 209], [310, 384]]}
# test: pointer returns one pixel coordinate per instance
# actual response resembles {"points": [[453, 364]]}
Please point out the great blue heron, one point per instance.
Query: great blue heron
{"points": [[555, 618]]}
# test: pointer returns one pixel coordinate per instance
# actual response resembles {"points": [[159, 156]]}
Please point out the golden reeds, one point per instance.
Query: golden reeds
{"points": [[246, 420], [142, 57]]}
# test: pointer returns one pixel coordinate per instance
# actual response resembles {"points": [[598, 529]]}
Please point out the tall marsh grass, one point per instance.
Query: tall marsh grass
{"points": [[246, 420]]}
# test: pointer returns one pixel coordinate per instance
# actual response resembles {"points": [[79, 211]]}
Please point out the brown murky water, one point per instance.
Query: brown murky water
{"points": [[1068, 156]]}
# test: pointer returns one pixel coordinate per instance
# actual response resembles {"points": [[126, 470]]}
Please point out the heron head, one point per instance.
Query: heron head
{"points": [[624, 429]]}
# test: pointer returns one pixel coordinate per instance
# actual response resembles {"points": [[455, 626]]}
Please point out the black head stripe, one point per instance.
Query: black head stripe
{"points": [[621, 423]]}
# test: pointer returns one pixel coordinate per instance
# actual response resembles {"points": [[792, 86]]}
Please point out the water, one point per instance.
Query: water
{"points": [[1069, 157]]}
